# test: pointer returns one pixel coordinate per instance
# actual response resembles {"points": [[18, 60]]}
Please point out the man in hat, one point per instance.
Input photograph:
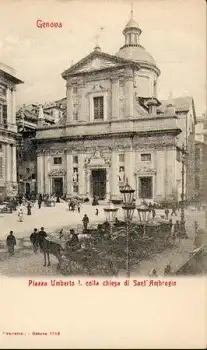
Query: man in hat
{"points": [[35, 240], [11, 242]]}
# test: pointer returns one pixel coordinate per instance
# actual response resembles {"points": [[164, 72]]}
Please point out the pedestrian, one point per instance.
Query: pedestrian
{"points": [[61, 233], [96, 212], [153, 273], [29, 208], [40, 201], [20, 215], [41, 237], [35, 241], [153, 213], [168, 270], [78, 207], [167, 213], [173, 210], [177, 228], [11, 242], [85, 222], [74, 242]]}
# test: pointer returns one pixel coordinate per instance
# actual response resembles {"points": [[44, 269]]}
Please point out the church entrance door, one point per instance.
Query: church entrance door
{"points": [[57, 186], [98, 182]]}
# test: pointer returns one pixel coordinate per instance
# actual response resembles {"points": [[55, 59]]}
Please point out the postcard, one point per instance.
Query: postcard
{"points": [[103, 174]]}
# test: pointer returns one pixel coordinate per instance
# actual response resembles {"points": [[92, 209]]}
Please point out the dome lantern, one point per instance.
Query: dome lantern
{"points": [[132, 32]]}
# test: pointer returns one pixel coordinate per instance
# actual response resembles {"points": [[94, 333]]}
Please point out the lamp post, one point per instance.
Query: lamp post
{"points": [[128, 208], [110, 213], [182, 217], [144, 215]]}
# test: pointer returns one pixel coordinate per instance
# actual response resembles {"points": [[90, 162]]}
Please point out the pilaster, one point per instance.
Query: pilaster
{"points": [[9, 105], [129, 95], [114, 174], [69, 173], [40, 173], [8, 162], [81, 173], [115, 98], [13, 98], [69, 94], [13, 163]]}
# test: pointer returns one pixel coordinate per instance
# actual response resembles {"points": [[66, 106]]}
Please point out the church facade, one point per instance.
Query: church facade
{"points": [[111, 130]]}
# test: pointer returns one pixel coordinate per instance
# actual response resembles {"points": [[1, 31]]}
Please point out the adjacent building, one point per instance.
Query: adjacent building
{"points": [[8, 131], [200, 147], [27, 118], [115, 128]]}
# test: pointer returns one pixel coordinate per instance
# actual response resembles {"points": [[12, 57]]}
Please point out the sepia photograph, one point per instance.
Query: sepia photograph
{"points": [[103, 174], [102, 139]]}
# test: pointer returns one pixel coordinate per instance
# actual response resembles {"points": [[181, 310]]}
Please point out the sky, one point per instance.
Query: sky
{"points": [[173, 32]]}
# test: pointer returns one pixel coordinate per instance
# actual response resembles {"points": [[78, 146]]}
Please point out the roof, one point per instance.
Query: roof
{"points": [[96, 54], [9, 73], [181, 104], [136, 53]]}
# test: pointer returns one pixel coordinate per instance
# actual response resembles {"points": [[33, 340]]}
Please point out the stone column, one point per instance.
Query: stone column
{"points": [[13, 98], [46, 172], [9, 163], [115, 98], [129, 95], [82, 106], [14, 163], [9, 105], [88, 184], [114, 174], [69, 94], [108, 183], [69, 173], [40, 173], [81, 174]]}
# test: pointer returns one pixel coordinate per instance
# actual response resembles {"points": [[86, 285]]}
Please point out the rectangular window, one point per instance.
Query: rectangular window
{"points": [[1, 167], [75, 160], [98, 103], [57, 160], [146, 157], [121, 158]]}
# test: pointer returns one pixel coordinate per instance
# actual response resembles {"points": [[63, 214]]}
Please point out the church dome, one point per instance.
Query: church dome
{"points": [[136, 53], [132, 50]]}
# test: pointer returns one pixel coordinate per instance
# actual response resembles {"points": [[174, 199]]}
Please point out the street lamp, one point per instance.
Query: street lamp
{"points": [[110, 213], [128, 208], [144, 215], [182, 218]]}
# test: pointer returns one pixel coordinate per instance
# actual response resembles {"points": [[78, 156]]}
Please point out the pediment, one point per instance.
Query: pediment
{"points": [[57, 172], [97, 160], [145, 170], [96, 61]]}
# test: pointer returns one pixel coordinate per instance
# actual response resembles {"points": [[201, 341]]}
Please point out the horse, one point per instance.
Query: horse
{"points": [[48, 247]]}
